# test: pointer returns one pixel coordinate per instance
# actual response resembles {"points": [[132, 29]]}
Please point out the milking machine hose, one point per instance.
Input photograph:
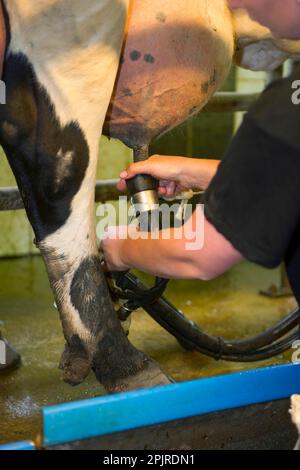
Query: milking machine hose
{"points": [[272, 342]]}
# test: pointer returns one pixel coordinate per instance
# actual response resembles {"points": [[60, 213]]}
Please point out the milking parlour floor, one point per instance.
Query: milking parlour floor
{"points": [[229, 307]]}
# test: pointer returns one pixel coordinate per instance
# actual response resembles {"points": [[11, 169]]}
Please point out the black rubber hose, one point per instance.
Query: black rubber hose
{"points": [[220, 349], [254, 349], [274, 333]]}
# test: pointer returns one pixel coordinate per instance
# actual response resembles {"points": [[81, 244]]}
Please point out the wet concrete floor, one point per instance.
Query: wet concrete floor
{"points": [[230, 307]]}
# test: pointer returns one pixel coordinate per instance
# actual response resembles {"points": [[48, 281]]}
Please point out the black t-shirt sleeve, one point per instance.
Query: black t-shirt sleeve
{"points": [[254, 199]]}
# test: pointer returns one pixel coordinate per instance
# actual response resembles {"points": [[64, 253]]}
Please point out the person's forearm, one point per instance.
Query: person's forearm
{"points": [[199, 172], [178, 253], [162, 258], [195, 251]]}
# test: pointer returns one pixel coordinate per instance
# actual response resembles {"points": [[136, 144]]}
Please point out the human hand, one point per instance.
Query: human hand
{"points": [[175, 174]]}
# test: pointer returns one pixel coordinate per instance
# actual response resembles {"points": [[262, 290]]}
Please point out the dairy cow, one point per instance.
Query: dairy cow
{"points": [[60, 69]]}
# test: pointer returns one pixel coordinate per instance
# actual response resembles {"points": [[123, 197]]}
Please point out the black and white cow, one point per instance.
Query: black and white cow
{"points": [[60, 68]]}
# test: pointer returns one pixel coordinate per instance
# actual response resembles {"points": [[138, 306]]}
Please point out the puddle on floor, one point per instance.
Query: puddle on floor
{"points": [[229, 307]]}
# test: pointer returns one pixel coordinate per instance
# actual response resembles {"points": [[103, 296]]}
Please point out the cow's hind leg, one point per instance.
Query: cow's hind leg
{"points": [[54, 161]]}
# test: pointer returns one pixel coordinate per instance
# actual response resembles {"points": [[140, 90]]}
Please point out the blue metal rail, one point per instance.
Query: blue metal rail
{"points": [[106, 415], [25, 445], [110, 414]]}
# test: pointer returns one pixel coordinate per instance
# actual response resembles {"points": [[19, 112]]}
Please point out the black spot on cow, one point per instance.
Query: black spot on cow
{"points": [[209, 83], [213, 78], [161, 17], [48, 160], [149, 58], [193, 110], [135, 55], [127, 92], [205, 87]]}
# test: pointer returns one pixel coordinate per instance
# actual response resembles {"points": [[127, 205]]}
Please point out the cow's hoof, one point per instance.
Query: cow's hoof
{"points": [[9, 358], [76, 371], [75, 367], [150, 376]]}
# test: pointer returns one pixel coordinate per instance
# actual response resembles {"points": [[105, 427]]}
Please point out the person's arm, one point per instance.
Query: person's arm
{"points": [[197, 252], [171, 257]]}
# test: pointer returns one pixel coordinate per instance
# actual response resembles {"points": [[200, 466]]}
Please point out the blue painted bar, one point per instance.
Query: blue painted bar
{"points": [[25, 445], [110, 414]]}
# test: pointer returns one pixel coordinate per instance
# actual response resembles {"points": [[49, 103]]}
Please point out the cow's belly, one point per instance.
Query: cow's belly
{"points": [[174, 59]]}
